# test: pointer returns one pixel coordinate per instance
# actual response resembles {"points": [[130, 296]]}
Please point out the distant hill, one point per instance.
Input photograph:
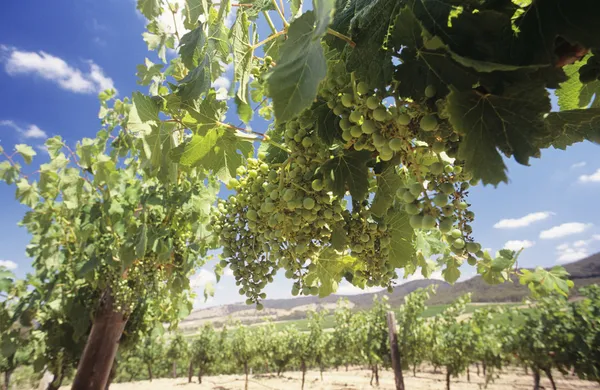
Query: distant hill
{"points": [[583, 272]]}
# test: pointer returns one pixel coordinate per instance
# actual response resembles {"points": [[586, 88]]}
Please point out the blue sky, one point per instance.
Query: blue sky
{"points": [[55, 59]]}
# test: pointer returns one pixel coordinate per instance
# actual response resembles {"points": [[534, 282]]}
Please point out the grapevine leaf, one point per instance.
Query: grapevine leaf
{"points": [[54, 145], [193, 10], [148, 72], [371, 58], [192, 47], [429, 243], [569, 127], [294, 81], [156, 147], [274, 155], [569, 92], [209, 291], [349, 172], [339, 237], [143, 115], [207, 115], [326, 123], [216, 151], [26, 152], [512, 122], [27, 193], [8, 172], [150, 8], [8, 347], [257, 6], [324, 15], [157, 39], [242, 63], [296, 6], [331, 266], [543, 282], [388, 182], [89, 266], [402, 236], [6, 279], [196, 82], [451, 273], [141, 243]]}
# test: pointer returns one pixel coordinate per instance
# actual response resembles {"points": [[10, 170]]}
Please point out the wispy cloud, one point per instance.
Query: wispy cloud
{"points": [[56, 70], [566, 229], [31, 131], [515, 245], [593, 178], [580, 164], [577, 250], [513, 223], [8, 264]]}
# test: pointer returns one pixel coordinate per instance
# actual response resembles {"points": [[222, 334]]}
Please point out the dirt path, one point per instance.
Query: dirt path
{"points": [[357, 379]]}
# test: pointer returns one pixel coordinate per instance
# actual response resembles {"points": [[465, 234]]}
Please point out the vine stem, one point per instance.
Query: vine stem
{"points": [[285, 22], [341, 36], [269, 39], [269, 21], [174, 21]]}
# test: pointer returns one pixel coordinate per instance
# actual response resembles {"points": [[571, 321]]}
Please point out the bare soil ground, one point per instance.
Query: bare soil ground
{"points": [[358, 379]]}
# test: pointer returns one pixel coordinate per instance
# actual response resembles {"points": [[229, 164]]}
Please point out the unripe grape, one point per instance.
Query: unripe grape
{"points": [[259, 306], [428, 122], [251, 215], [430, 91], [274, 194], [307, 142], [416, 189], [403, 119], [347, 135], [289, 194], [462, 205], [379, 114], [447, 188], [249, 301], [436, 168], [428, 222], [438, 147], [264, 168], [445, 225], [455, 233], [471, 260], [459, 243], [345, 124], [379, 140], [396, 144], [347, 100], [411, 209], [233, 183], [314, 290], [356, 131], [269, 207], [473, 247], [440, 200], [416, 221], [241, 170], [356, 117], [408, 197], [373, 102], [338, 109], [368, 126], [448, 168], [308, 203], [384, 156], [457, 169], [362, 88], [317, 185]]}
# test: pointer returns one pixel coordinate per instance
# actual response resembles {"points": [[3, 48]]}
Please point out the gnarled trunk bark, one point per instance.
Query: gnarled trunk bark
{"points": [[149, 372], [536, 379], [200, 375], [190, 371], [95, 366], [7, 375], [468, 374], [246, 371], [448, 374], [174, 372], [303, 366], [549, 375]]}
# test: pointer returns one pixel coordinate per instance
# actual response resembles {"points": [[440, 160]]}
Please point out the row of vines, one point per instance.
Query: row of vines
{"points": [[548, 336]]}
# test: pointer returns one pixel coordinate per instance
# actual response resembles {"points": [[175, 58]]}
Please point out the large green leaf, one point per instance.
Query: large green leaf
{"points": [[192, 11], [143, 115], [216, 151], [196, 83], [293, 83], [402, 235], [242, 63], [512, 122], [324, 15], [572, 126], [150, 8], [388, 182], [192, 47], [331, 267], [349, 172], [207, 115], [27, 193], [26, 152]]}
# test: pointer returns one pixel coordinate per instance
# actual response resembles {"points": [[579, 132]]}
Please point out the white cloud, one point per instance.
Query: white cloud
{"points": [[56, 70], [579, 165], [593, 178], [8, 264], [515, 245], [202, 278], [221, 85], [578, 250], [523, 221], [566, 229], [32, 131]]}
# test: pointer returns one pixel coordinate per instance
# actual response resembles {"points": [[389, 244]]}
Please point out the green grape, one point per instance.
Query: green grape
{"points": [[455, 233], [274, 194], [437, 168], [314, 290], [445, 225], [338, 109], [459, 243], [457, 169], [428, 222], [396, 144], [233, 183], [411, 209], [308, 203], [462, 205], [383, 156], [264, 168], [448, 168], [251, 215], [440, 200], [430, 91], [368, 126], [356, 131], [249, 301], [259, 306], [416, 221], [295, 290], [347, 135], [438, 147], [379, 140], [447, 188], [347, 100], [408, 197], [289, 194], [473, 247], [428, 122], [317, 185], [380, 114], [362, 88], [416, 189], [241, 170], [345, 124], [356, 117], [403, 119], [269, 207], [471, 260], [307, 142], [373, 102]]}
